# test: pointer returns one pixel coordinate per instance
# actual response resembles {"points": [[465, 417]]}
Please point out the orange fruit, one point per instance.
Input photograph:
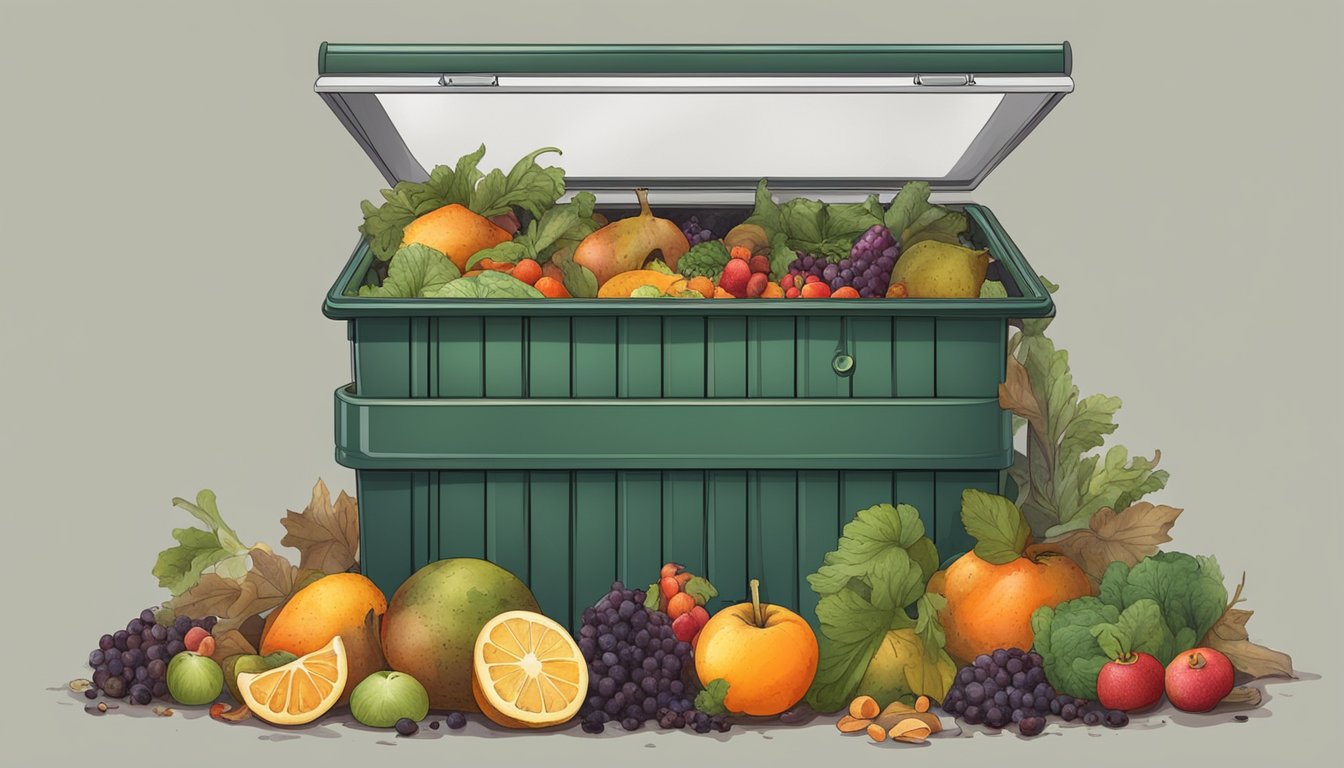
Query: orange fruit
{"points": [[300, 691], [455, 231], [527, 672], [333, 606], [768, 655], [989, 606]]}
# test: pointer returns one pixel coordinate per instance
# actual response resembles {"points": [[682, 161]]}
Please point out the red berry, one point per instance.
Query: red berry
{"points": [[700, 615], [668, 586], [192, 640], [1198, 679], [684, 628], [786, 282], [791, 293], [811, 279], [816, 291], [669, 569], [1130, 684], [759, 265]]}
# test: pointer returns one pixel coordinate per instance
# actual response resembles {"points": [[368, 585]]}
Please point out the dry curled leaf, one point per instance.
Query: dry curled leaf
{"points": [[1127, 537], [163, 711], [221, 711], [1016, 395], [326, 534], [1229, 636], [1244, 697], [231, 643]]}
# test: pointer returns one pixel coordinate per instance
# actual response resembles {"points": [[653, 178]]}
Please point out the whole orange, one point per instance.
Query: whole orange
{"points": [[989, 606], [333, 605], [767, 654]]}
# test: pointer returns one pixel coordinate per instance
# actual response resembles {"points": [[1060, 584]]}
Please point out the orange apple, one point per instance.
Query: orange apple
{"points": [[768, 655]]}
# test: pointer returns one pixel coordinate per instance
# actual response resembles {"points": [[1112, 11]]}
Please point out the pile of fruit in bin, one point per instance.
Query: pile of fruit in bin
{"points": [[1009, 635], [465, 234]]}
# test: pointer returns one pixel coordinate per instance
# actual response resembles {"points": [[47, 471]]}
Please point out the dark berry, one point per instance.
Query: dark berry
{"points": [[1031, 726], [407, 727], [455, 720]]}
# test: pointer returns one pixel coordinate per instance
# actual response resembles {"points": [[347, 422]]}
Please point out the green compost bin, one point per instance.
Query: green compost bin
{"points": [[580, 441]]}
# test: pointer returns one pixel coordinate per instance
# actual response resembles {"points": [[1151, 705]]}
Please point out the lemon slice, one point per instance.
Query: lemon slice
{"points": [[300, 691], [527, 672]]}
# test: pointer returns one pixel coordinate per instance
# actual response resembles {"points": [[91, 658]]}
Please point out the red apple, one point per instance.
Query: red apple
{"points": [[1198, 679], [1130, 683]]}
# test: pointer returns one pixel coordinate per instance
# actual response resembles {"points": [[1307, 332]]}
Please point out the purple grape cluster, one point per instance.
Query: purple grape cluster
{"points": [[133, 662], [695, 232], [635, 668], [807, 264], [1009, 686], [868, 268]]}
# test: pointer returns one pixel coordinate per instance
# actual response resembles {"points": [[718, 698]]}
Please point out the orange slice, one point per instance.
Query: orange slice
{"points": [[300, 691], [527, 672]]}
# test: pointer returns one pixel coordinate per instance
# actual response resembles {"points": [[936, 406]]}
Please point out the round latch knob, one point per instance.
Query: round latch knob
{"points": [[843, 364]]}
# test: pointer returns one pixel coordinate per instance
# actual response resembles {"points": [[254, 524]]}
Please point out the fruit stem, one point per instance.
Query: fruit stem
{"points": [[1196, 660], [643, 195], [756, 612]]}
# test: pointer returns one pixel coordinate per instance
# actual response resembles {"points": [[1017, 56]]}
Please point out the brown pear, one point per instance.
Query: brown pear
{"points": [[626, 245]]}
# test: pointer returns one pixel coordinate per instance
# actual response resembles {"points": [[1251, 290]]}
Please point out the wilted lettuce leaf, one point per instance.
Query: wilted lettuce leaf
{"points": [[415, 270], [487, 285]]}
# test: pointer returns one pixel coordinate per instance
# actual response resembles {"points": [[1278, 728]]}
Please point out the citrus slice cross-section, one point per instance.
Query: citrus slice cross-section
{"points": [[527, 672], [300, 691]]}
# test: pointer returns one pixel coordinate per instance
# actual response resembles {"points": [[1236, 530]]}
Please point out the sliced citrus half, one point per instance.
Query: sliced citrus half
{"points": [[300, 691], [527, 672]]}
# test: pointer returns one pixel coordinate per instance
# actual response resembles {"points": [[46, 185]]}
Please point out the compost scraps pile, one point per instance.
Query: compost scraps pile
{"points": [[465, 234]]}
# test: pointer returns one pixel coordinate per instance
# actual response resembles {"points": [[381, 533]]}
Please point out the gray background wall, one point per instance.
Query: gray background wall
{"points": [[176, 201]]}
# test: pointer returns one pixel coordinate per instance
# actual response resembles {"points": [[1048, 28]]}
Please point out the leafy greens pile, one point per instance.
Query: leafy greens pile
{"points": [[1161, 606], [830, 229], [867, 587]]}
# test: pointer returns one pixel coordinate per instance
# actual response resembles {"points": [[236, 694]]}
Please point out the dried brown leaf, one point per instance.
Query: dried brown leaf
{"points": [[1244, 697], [265, 586], [231, 643], [326, 534], [221, 711], [1127, 537], [1229, 636], [1015, 395], [213, 595]]}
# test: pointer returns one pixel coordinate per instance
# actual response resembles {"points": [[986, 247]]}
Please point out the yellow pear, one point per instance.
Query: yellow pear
{"points": [[937, 270]]}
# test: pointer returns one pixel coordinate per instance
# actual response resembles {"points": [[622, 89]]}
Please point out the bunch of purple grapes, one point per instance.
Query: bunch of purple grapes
{"points": [[1009, 686], [695, 232], [635, 667], [807, 264], [133, 662], [868, 268]]}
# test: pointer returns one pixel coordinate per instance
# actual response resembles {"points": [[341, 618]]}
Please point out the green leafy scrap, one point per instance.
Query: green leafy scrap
{"points": [[699, 588], [487, 285], [215, 548], [812, 226], [1059, 485], [710, 700], [415, 270], [999, 529], [879, 568], [561, 227], [528, 186]]}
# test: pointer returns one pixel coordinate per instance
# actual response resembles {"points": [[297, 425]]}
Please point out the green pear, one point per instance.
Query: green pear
{"points": [[936, 270]]}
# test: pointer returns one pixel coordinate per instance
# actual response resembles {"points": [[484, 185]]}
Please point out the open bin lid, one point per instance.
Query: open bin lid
{"points": [[851, 117]]}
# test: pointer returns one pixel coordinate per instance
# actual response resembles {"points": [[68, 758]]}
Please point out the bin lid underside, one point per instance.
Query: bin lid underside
{"points": [[866, 130]]}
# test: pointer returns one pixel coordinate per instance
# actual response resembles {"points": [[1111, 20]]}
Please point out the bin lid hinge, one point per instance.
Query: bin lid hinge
{"points": [[473, 81], [945, 80]]}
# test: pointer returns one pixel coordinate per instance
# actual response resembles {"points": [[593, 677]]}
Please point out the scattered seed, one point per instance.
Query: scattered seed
{"points": [[80, 685], [1241, 718], [163, 711], [877, 732], [851, 724], [922, 704], [434, 725]]}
